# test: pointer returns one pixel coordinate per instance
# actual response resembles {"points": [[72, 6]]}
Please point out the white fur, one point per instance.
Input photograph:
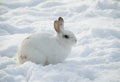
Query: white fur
{"points": [[44, 48]]}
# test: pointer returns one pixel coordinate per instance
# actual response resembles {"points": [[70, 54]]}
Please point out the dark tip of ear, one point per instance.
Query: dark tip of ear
{"points": [[60, 19]]}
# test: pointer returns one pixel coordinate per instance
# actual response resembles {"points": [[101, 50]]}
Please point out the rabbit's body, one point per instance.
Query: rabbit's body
{"points": [[44, 53], [44, 48]]}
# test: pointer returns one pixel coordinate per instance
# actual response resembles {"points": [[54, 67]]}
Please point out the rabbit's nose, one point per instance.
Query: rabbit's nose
{"points": [[75, 40]]}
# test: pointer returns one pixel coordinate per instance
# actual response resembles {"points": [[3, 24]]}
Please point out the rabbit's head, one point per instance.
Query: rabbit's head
{"points": [[64, 36]]}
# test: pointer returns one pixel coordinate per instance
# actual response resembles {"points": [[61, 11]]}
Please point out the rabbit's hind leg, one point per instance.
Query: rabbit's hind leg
{"points": [[21, 59]]}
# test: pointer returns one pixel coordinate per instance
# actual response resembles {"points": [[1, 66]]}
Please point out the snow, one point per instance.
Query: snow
{"points": [[96, 24]]}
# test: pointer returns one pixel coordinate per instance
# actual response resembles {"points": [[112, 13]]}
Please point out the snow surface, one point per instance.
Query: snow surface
{"points": [[96, 24]]}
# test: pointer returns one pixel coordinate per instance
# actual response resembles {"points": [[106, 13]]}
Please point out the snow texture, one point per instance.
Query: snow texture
{"points": [[96, 24]]}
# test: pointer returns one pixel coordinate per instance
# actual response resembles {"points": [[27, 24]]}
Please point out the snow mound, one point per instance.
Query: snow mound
{"points": [[6, 29]]}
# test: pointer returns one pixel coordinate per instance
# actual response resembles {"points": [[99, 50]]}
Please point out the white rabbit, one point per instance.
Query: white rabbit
{"points": [[44, 48]]}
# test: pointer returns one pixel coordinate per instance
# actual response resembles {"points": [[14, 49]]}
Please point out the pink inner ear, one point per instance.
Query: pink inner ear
{"points": [[57, 26]]}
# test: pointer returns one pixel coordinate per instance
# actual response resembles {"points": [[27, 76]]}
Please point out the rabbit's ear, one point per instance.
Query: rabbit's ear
{"points": [[61, 22], [57, 26]]}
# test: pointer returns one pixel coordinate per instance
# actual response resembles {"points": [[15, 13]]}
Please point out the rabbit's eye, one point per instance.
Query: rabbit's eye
{"points": [[66, 36]]}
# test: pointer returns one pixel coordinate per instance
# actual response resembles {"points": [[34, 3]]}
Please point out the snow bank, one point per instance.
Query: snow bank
{"points": [[95, 57]]}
